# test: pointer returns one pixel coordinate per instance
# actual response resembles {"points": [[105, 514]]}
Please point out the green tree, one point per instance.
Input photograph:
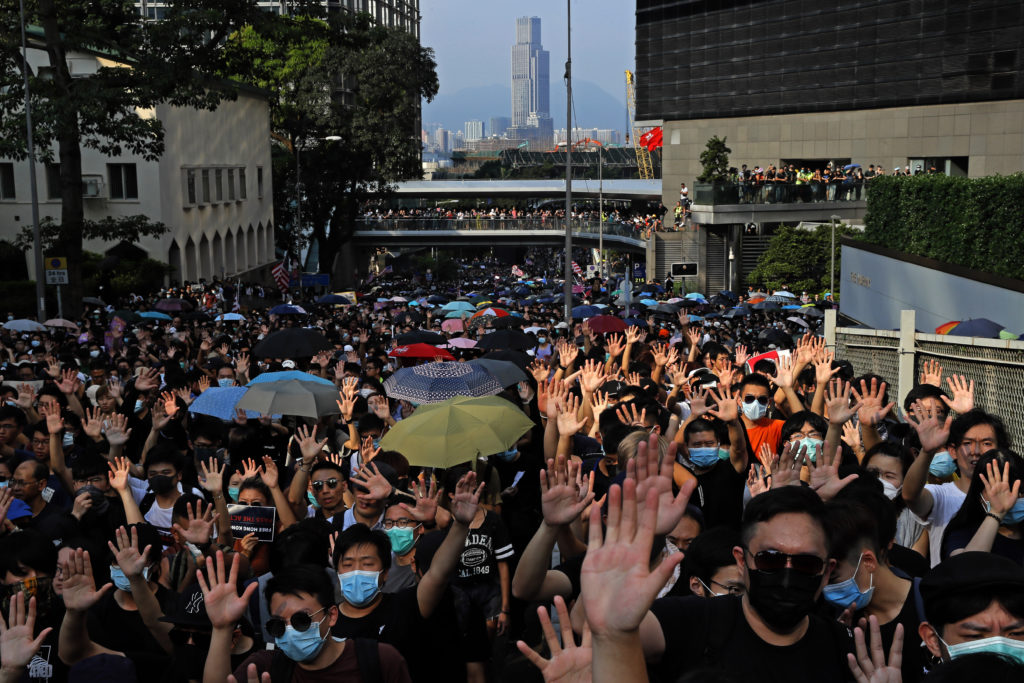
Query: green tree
{"points": [[714, 161], [345, 106], [178, 61], [800, 259]]}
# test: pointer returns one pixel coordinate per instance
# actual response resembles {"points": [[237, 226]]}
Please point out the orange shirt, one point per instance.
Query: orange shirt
{"points": [[768, 431]]}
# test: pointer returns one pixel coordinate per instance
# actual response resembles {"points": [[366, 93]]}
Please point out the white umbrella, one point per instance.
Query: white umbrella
{"points": [[798, 321], [782, 292], [24, 325], [61, 322]]}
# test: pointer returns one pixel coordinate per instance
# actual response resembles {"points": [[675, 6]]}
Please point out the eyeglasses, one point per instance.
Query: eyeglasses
{"points": [[181, 637], [300, 621], [401, 523], [15, 483], [750, 398], [731, 589], [774, 561], [95, 481], [331, 483], [800, 436]]}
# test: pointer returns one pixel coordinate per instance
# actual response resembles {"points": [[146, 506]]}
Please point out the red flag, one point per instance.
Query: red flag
{"points": [[655, 138], [645, 139]]}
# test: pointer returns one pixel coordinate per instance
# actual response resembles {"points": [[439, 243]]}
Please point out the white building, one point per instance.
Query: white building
{"points": [[211, 188], [474, 130]]}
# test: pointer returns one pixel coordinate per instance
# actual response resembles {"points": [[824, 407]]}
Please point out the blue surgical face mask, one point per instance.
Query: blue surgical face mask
{"points": [[3, 484], [1015, 515], [704, 456], [233, 492], [138, 405], [942, 465], [402, 540], [301, 646], [723, 453], [312, 499], [813, 447], [995, 645], [121, 581], [507, 456], [542, 340], [359, 587], [35, 343], [68, 440], [846, 593], [225, 382]]}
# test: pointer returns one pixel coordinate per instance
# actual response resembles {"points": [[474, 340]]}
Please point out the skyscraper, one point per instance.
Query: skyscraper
{"points": [[531, 86]]}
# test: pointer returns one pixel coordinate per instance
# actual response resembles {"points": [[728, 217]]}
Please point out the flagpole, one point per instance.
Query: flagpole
{"points": [[567, 288]]}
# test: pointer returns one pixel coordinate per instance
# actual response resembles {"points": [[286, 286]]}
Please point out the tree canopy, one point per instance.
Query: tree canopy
{"points": [[800, 259]]}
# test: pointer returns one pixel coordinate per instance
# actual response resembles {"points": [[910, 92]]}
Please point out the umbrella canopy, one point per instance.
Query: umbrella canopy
{"points": [[334, 299], [775, 337], [791, 307], [799, 321], [585, 311], [506, 372], [61, 322], [398, 299], [670, 309], [783, 293], [728, 294], [436, 382], [978, 327], [648, 302], [456, 431], [812, 312], [738, 312], [24, 325], [453, 325], [695, 295], [767, 305], [155, 315], [462, 343], [93, 301], [420, 337], [437, 299], [775, 298], [220, 402], [420, 351], [173, 305], [944, 328], [287, 309], [520, 359], [606, 324], [507, 339], [454, 315], [491, 311], [229, 317], [292, 342], [291, 397], [458, 306], [283, 375]]}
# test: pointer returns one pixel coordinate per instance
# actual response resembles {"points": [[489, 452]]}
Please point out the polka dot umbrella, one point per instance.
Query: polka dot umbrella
{"points": [[437, 382]]}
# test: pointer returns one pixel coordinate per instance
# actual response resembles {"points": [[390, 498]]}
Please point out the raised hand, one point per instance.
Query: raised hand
{"points": [[699, 402], [598, 404], [931, 432], [871, 410], [170, 402], [784, 372], [728, 410], [427, 501], [268, 473], [756, 483], [851, 437], [147, 379], [874, 668], [308, 444], [115, 387], [786, 467], [68, 381], [742, 354], [117, 430], [569, 663], [963, 394], [346, 404], [563, 493], [539, 371], [26, 396], [592, 376], [824, 473], [79, 592], [634, 334], [120, 470], [567, 355], [823, 370], [628, 415], [837, 402], [54, 421], [650, 475], [129, 558], [224, 605], [693, 335], [212, 476], [17, 646], [998, 492], [93, 425], [160, 419], [614, 345], [204, 383], [379, 406], [376, 485], [931, 373], [466, 500], [618, 562], [252, 675], [200, 524], [567, 421], [249, 469]]}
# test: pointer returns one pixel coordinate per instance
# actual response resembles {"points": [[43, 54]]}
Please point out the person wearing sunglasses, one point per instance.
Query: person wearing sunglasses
{"points": [[328, 484], [754, 398], [783, 558]]}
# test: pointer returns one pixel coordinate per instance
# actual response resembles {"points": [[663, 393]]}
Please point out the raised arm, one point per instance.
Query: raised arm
{"points": [[79, 595], [119, 473], [225, 607], [729, 413], [132, 562], [933, 435], [269, 476]]}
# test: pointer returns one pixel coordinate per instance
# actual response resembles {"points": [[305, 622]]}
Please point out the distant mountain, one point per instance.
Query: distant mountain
{"points": [[595, 107]]}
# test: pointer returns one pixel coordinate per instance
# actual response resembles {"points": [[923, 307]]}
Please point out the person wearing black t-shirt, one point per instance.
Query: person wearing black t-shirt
{"points": [[363, 557], [720, 483]]}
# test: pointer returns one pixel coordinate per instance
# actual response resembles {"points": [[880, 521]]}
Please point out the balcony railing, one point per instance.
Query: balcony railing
{"points": [[707, 194], [502, 224]]}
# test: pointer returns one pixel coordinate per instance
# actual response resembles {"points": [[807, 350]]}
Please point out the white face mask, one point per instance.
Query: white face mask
{"points": [[890, 490]]}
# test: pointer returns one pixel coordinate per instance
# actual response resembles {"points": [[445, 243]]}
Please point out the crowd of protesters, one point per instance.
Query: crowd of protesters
{"points": [[786, 183], [440, 218], [703, 495]]}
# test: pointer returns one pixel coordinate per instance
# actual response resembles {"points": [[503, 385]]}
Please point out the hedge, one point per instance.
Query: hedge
{"points": [[972, 222]]}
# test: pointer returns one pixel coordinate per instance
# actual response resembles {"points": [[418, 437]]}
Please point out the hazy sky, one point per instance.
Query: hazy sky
{"points": [[472, 40]]}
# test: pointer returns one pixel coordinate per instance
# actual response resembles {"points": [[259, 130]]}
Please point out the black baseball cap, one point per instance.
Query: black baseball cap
{"points": [[189, 609], [970, 572]]}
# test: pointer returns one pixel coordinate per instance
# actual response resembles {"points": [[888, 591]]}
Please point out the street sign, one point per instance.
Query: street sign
{"points": [[56, 270], [684, 269]]}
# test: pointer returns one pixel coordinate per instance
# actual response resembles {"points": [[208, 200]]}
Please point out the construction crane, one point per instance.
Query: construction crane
{"points": [[643, 156]]}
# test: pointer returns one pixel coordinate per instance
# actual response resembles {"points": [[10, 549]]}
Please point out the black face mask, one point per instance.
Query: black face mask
{"points": [[190, 660], [161, 484], [100, 504], [783, 598]]}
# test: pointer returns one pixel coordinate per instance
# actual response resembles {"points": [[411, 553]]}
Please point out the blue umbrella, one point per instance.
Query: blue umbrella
{"points": [[713, 314], [229, 317], [454, 314], [791, 307], [585, 312], [694, 318], [288, 374], [287, 309], [546, 300], [849, 166], [334, 299], [220, 402], [977, 327], [154, 315], [694, 295], [728, 295], [436, 382], [458, 306], [648, 302], [637, 322]]}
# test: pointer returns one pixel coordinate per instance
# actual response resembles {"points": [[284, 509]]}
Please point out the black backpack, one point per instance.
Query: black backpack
{"points": [[367, 655]]}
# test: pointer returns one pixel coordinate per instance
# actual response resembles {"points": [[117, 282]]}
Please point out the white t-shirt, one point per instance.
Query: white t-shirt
{"points": [[947, 499]]}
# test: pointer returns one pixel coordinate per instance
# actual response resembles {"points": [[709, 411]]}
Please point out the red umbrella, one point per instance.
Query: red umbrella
{"points": [[604, 324], [420, 351], [496, 312]]}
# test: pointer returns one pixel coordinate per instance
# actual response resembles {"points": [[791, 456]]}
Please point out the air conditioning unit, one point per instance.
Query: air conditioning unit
{"points": [[92, 188]]}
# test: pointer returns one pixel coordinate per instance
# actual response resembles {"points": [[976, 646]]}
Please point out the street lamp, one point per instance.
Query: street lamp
{"points": [[832, 269], [567, 287]]}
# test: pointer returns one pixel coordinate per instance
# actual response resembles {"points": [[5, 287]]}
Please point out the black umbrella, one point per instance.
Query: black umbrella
{"points": [[509, 321], [812, 312], [408, 318], [776, 337], [518, 357], [93, 301], [421, 337], [292, 342], [436, 299], [767, 306], [670, 309], [506, 339], [719, 300], [506, 372]]}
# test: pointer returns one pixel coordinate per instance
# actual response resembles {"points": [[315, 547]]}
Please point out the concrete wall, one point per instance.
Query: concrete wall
{"points": [[990, 134]]}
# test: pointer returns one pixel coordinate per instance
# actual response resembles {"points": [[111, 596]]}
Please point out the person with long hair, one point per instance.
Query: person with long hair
{"points": [[991, 518]]}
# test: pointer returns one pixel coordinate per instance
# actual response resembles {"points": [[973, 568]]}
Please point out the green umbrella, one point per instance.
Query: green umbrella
{"points": [[291, 397], [457, 430]]}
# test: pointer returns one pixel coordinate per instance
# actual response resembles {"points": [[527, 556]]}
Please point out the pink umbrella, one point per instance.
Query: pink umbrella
{"points": [[453, 325], [462, 343]]}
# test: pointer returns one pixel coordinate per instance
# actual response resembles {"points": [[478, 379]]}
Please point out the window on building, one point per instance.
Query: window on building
{"points": [[218, 183], [53, 181], [241, 184], [123, 182], [7, 181], [231, 184], [190, 185], [206, 186], [259, 182]]}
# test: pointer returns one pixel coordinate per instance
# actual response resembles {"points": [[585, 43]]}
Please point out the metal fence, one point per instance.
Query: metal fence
{"points": [[995, 365]]}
